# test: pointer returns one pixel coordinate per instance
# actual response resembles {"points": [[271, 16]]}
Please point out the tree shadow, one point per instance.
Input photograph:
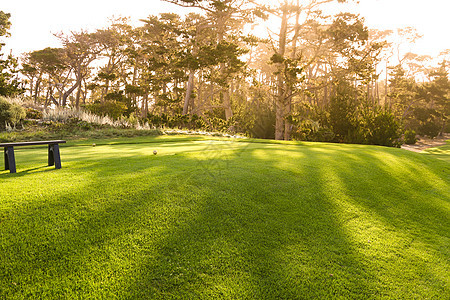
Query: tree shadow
{"points": [[175, 233], [280, 240], [410, 231]]}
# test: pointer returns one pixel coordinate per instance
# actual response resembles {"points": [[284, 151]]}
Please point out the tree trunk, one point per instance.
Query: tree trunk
{"points": [[36, 89], [107, 81], [288, 104], [287, 124], [281, 95], [85, 92], [227, 104], [225, 90], [77, 101], [32, 88], [47, 97], [387, 101], [67, 94], [79, 78], [189, 90], [145, 112], [105, 90]]}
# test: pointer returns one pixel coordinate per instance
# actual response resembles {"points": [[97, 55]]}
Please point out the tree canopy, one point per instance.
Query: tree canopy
{"points": [[316, 78]]}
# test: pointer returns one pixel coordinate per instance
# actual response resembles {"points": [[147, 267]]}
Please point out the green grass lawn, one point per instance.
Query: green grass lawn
{"points": [[442, 152], [222, 219]]}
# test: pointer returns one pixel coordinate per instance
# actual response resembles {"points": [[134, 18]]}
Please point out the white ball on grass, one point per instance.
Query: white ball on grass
{"points": [[155, 152]]}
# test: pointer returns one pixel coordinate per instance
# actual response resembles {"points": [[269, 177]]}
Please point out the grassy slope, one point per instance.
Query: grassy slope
{"points": [[442, 152], [219, 219]]}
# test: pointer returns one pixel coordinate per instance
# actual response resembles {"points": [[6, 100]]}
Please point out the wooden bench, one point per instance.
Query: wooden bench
{"points": [[53, 153]]}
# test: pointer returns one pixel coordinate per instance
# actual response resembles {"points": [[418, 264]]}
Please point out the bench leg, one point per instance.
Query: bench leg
{"points": [[53, 156], [10, 161]]}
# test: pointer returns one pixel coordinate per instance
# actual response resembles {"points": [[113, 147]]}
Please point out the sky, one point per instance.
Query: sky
{"points": [[35, 22]]}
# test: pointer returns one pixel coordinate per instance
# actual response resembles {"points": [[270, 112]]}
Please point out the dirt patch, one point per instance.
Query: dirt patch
{"points": [[425, 143]]}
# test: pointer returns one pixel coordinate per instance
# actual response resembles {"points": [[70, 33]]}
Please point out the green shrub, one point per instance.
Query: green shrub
{"points": [[111, 108], [384, 130], [410, 137], [429, 121], [312, 131], [32, 113], [430, 129], [343, 118], [10, 113]]}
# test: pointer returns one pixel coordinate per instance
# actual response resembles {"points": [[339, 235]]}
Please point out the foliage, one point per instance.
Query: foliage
{"points": [[33, 113], [424, 108], [348, 120], [190, 122], [410, 137], [73, 130], [65, 115], [311, 132], [380, 127], [255, 118], [343, 117], [5, 24], [427, 121], [10, 113], [200, 71], [111, 108], [9, 82]]}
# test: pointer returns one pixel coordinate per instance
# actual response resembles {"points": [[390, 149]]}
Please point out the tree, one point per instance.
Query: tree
{"points": [[80, 50], [162, 47], [5, 25], [438, 96], [287, 57], [9, 81], [113, 41], [403, 92], [227, 18], [46, 66]]}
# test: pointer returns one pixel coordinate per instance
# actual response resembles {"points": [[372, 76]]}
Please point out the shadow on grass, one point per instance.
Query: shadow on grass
{"points": [[141, 228], [414, 214], [57, 246], [26, 171], [270, 242]]}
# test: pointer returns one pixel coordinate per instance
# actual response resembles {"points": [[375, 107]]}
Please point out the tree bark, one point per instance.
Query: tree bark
{"points": [[36, 89], [225, 90], [77, 101], [387, 101], [227, 104], [32, 88], [281, 90], [189, 90], [47, 97], [288, 105], [145, 112], [68, 92]]}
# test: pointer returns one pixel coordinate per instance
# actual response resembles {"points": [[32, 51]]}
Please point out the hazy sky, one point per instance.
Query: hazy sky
{"points": [[35, 21]]}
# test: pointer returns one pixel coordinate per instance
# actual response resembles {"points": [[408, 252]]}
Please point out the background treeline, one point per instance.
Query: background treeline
{"points": [[319, 77]]}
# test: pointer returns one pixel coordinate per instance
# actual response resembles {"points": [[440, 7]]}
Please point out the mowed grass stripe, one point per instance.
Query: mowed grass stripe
{"points": [[224, 219]]}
